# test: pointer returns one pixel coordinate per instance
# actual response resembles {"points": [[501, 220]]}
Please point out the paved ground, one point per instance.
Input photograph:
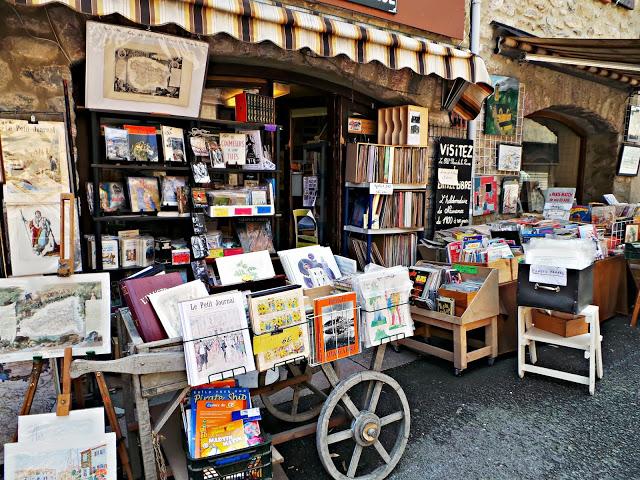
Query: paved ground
{"points": [[489, 424]]}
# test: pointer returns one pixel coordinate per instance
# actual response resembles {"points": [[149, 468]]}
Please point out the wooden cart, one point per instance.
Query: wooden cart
{"points": [[351, 415]]}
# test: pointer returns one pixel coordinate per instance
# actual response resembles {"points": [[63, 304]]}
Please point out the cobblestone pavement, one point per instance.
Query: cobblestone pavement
{"points": [[490, 424]]}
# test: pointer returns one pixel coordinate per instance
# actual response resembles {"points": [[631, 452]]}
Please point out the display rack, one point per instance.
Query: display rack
{"points": [[102, 220]]}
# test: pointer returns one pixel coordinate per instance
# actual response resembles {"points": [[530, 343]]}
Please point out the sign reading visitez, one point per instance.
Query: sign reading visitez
{"points": [[390, 6]]}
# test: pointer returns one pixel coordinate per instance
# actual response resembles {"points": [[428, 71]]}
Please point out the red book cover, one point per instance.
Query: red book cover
{"points": [[136, 295], [233, 251], [241, 107]]}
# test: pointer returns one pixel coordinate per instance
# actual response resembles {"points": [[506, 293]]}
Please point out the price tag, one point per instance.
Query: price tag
{"points": [[381, 188], [448, 176], [549, 275], [470, 269]]}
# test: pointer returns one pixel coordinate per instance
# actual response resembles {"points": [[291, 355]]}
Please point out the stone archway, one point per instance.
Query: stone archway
{"points": [[598, 149]]}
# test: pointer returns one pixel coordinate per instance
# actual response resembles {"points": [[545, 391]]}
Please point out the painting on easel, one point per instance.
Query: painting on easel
{"points": [[43, 315]]}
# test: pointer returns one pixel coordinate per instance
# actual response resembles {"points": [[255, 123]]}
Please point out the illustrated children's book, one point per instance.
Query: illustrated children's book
{"points": [[335, 327], [276, 308]]}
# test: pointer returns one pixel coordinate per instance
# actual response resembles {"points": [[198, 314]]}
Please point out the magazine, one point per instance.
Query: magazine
{"points": [[216, 337], [384, 296]]}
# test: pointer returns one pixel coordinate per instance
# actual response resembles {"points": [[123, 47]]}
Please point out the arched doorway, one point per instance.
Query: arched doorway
{"points": [[568, 146]]}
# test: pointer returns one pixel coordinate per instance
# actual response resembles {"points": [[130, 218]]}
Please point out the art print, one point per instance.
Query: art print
{"points": [[510, 195], [245, 268], [253, 149], [82, 457], [173, 144], [199, 247], [216, 338], [629, 161], [34, 238], [143, 194], [200, 171], [116, 143], [35, 161], [111, 196], [216, 157], [485, 195], [49, 426], [631, 233], [44, 315], [509, 157], [137, 70], [170, 187], [501, 108]]}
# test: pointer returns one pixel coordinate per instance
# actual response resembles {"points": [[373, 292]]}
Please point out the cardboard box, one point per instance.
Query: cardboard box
{"points": [[559, 323]]}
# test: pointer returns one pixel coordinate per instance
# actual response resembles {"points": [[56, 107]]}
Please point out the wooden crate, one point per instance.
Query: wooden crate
{"points": [[559, 323], [507, 268]]}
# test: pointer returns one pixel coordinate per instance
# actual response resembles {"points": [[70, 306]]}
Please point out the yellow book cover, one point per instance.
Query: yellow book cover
{"points": [[210, 415], [224, 438]]}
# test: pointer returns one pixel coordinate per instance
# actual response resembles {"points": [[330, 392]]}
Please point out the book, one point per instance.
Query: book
{"points": [[233, 146], [216, 432], [170, 185], [223, 438], [143, 194], [111, 196], [276, 308], [173, 144], [335, 327], [310, 267], [281, 347], [146, 250], [216, 337], [135, 293], [253, 149], [129, 252], [245, 267], [165, 304], [143, 143], [116, 141]]}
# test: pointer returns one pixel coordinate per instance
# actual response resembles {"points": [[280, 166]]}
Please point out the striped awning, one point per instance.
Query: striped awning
{"points": [[293, 28]]}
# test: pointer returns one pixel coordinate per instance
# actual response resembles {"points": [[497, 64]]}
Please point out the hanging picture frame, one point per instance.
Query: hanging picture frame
{"points": [[509, 157], [629, 161], [501, 108], [135, 70], [633, 124]]}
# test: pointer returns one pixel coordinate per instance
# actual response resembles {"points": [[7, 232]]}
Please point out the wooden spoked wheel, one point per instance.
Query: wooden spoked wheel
{"points": [[368, 443], [302, 401]]}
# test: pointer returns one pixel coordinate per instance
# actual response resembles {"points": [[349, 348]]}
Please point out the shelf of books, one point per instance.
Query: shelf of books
{"points": [[159, 170], [385, 198]]}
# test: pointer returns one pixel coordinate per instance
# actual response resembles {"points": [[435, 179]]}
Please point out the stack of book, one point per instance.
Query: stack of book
{"points": [[400, 210], [386, 164], [138, 143], [219, 418], [387, 250]]}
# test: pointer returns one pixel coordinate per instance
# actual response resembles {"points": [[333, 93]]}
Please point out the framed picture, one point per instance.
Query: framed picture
{"points": [[143, 194], [44, 315], [509, 157], [136, 70], [633, 124], [629, 161], [501, 108]]}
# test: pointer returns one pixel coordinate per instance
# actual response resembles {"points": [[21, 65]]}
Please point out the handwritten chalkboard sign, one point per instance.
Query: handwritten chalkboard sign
{"points": [[453, 193]]}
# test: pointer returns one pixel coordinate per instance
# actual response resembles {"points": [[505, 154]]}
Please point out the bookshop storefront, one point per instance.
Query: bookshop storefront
{"points": [[320, 70]]}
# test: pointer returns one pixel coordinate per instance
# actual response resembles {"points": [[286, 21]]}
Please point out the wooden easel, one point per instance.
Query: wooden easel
{"points": [[65, 269]]}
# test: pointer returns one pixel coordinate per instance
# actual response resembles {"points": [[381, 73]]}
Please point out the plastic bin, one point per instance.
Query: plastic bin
{"points": [[251, 463]]}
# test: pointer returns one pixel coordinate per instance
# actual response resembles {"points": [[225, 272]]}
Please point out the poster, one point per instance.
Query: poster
{"points": [[35, 161], [558, 202], [453, 193], [501, 108], [485, 195]]}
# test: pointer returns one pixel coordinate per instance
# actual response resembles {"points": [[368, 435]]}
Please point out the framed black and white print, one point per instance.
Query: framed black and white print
{"points": [[629, 161]]}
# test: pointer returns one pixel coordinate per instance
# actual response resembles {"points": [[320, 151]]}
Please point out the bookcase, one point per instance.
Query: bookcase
{"points": [[385, 201], [168, 221]]}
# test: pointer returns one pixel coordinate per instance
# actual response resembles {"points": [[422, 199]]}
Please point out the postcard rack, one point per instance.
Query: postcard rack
{"points": [[347, 412]]}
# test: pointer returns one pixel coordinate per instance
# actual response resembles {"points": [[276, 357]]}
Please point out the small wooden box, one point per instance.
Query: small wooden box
{"points": [[505, 267], [560, 323]]}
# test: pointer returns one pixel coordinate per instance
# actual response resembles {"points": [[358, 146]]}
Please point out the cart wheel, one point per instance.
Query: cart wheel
{"points": [[289, 408], [382, 425], [491, 361], [457, 372]]}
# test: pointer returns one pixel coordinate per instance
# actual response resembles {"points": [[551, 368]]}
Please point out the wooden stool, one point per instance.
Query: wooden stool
{"points": [[590, 342], [460, 356]]}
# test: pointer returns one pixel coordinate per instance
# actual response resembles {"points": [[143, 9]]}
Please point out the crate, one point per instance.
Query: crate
{"points": [[563, 324], [251, 463]]}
